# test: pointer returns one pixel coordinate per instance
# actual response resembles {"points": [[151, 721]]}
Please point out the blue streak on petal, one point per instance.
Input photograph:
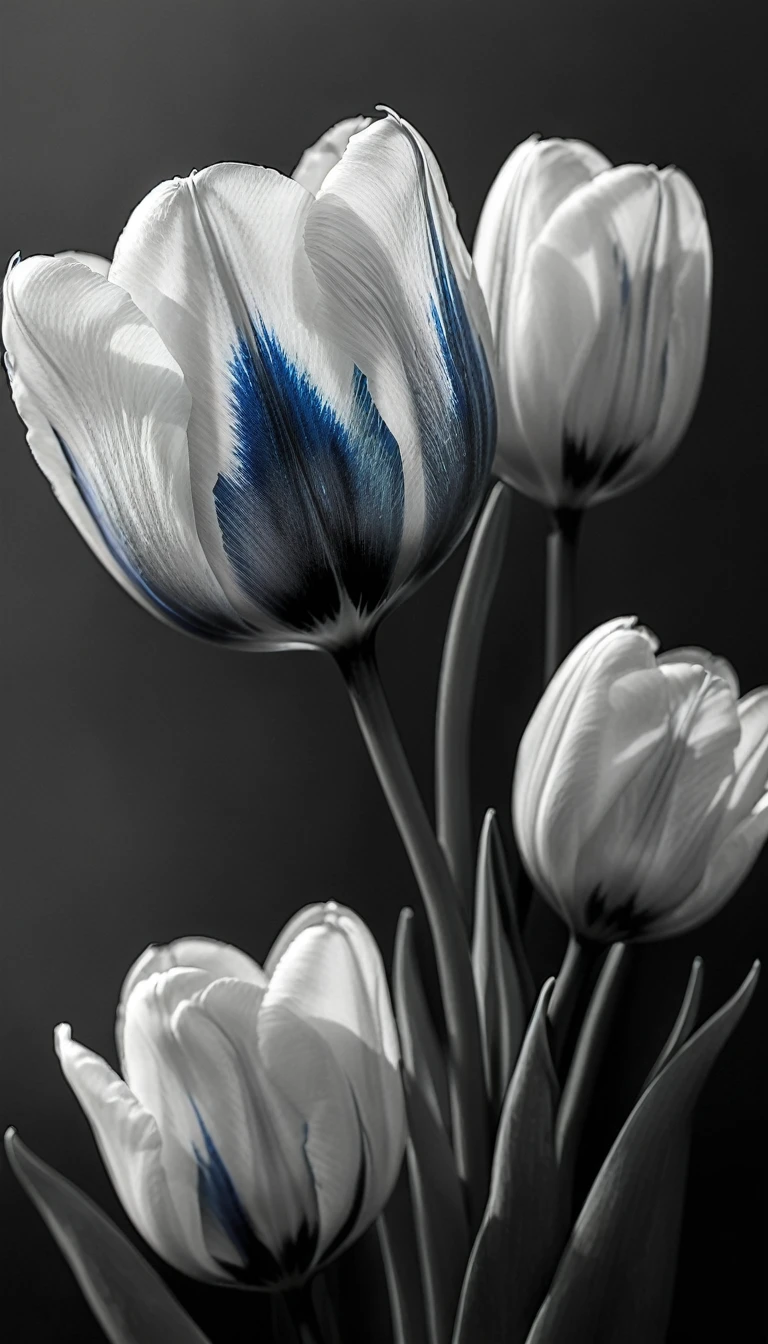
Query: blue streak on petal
{"points": [[311, 511], [219, 1200], [457, 451], [189, 621]]}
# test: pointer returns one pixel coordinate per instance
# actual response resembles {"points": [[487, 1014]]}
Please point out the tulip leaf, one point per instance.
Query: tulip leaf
{"points": [[684, 1022], [525, 1224], [438, 1197], [503, 981], [405, 1304], [127, 1297], [458, 674], [615, 1279]]}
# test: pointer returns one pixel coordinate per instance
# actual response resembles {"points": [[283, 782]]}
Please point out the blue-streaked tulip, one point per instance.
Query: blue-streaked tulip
{"points": [[598, 287], [275, 414], [261, 1124], [640, 797]]}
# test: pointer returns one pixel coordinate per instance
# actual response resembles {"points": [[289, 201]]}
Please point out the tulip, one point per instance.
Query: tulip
{"points": [[640, 796], [261, 1125], [598, 287], [274, 416]]}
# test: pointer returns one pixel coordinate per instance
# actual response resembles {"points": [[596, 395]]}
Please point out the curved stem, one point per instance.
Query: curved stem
{"points": [[456, 691], [562, 545], [301, 1308], [446, 922], [588, 1055], [570, 997]]}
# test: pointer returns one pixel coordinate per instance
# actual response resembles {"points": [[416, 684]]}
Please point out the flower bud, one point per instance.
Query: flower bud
{"points": [[639, 799], [598, 284], [261, 1125]]}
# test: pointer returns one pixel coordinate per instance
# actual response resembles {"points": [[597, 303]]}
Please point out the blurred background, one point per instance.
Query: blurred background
{"points": [[153, 786]]}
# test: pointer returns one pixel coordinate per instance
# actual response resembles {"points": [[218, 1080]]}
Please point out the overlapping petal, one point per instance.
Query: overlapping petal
{"points": [[640, 786], [598, 280], [397, 294], [107, 411]]}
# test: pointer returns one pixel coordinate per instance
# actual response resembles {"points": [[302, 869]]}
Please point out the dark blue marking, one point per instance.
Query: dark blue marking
{"points": [[458, 451], [312, 508], [219, 1199], [193, 623]]}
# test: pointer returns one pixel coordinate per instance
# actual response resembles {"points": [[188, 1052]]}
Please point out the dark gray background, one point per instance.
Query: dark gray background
{"points": [[153, 786]]}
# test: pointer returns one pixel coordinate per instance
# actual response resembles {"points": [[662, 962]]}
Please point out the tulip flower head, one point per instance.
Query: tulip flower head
{"points": [[598, 286], [261, 1124], [640, 796], [274, 415]]}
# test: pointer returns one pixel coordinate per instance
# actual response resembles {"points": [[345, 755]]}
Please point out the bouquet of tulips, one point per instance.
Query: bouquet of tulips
{"points": [[271, 416]]}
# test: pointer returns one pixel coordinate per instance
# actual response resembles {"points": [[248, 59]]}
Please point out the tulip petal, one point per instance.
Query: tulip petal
{"points": [[725, 873], [92, 260], [304, 1069], [398, 294], [219, 960], [685, 351], [751, 759], [132, 1148], [316, 162], [327, 968], [296, 481], [536, 178], [719, 667], [85, 362], [556, 795]]}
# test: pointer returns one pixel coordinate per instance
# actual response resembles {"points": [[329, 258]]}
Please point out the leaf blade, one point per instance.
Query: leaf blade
{"points": [[127, 1297]]}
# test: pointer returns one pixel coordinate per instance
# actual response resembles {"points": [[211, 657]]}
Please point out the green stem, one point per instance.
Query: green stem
{"points": [[562, 545], [446, 922], [456, 691]]}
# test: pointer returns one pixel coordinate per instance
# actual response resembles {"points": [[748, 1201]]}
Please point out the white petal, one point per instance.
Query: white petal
{"points": [[536, 178], [304, 1070], [725, 873], [719, 667], [257, 1131], [90, 259], [296, 482], [399, 295], [317, 161], [553, 792], [104, 382], [690, 267], [327, 968], [219, 960], [132, 1149], [692, 788], [751, 759]]}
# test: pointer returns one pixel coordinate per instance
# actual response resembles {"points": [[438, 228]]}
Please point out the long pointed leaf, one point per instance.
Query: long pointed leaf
{"points": [[437, 1193], [502, 979], [455, 699], [684, 1022], [128, 1299], [524, 1228], [614, 1282]]}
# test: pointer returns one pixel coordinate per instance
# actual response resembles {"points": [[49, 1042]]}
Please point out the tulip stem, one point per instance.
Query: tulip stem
{"points": [[303, 1313], [562, 544], [446, 921], [456, 692], [570, 997]]}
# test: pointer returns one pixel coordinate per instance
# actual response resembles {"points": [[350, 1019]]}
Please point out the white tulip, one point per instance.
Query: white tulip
{"points": [[598, 285], [639, 798], [260, 1125], [274, 415]]}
